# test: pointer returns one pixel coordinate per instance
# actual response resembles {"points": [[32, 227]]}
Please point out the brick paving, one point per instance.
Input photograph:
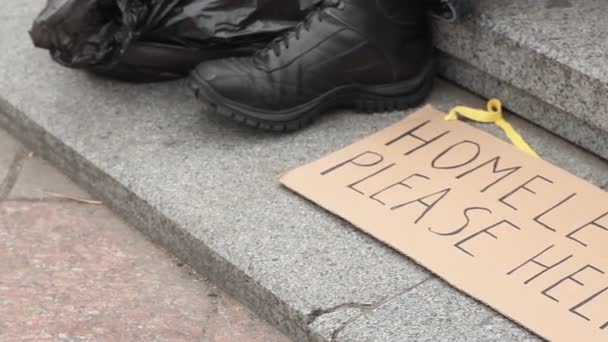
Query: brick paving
{"points": [[73, 271]]}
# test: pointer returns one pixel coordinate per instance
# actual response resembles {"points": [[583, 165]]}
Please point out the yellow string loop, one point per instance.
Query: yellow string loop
{"points": [[492, 115]]}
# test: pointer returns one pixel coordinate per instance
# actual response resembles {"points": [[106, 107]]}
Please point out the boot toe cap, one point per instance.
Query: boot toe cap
{"points": [[230, 79]]}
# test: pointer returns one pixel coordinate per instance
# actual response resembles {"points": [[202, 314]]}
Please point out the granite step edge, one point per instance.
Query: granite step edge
{"points": [[478, 42], [564, 124], [158, 228]]}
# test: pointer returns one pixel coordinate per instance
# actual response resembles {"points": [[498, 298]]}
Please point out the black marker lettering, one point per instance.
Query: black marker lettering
{"points": [[538, 218], [523, 187], [575, 308], [357, 161], [475, 152], [545, 268], [411, 133], [401, 183], [429, 206], [487, 231], [353, 185], [507, 172], [595, 223], [465, 225], [571, 278]]}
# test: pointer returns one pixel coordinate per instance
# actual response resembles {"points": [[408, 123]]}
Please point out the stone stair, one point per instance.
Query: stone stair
{"points": [[206, 189], [546, 59]]}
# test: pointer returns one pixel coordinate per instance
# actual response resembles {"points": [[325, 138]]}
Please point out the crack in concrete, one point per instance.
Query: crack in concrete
{"points": [[13, 174], [351, 305], [315, 314], [337, 332]]}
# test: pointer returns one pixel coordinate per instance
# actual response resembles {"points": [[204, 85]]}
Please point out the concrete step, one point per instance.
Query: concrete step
{"points": [[547, 59], [55, 288], [207, 191]]}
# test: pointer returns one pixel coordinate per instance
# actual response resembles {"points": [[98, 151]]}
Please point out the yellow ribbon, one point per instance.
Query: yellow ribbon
{"points": [[493, 115]]}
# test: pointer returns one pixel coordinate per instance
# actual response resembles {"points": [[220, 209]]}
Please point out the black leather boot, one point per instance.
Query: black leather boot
{"points": [[370, 55]]}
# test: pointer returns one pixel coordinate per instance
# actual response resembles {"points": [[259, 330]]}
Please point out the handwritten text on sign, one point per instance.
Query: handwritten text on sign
{"points": [[515, 232]]}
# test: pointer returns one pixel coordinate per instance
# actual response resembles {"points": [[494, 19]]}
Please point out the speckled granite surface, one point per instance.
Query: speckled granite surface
{"points": [[73, 271], [206, 190], [553, 53]]}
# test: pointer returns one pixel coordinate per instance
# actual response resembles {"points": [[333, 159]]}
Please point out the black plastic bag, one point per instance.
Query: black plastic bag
{"points": [[152, 40]]}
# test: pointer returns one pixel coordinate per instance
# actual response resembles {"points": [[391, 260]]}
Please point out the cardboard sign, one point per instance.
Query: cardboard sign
{"points": [[513, 231]]}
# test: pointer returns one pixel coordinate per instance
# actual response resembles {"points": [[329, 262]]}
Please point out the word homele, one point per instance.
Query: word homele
{"points": [[426, 171]]}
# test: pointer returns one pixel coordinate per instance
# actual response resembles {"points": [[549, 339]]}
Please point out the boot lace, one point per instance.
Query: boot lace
{"points": [[315, 13]]}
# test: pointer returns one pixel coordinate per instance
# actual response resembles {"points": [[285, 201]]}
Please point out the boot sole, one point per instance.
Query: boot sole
{"points": [[367, 99]]}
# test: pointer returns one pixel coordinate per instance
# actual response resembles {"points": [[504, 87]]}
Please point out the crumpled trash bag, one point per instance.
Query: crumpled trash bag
{"points": [[450, 10], [153, 40]]}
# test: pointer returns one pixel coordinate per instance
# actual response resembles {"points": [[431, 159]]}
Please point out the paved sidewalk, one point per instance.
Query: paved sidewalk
{"points": [[73, 271]]}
